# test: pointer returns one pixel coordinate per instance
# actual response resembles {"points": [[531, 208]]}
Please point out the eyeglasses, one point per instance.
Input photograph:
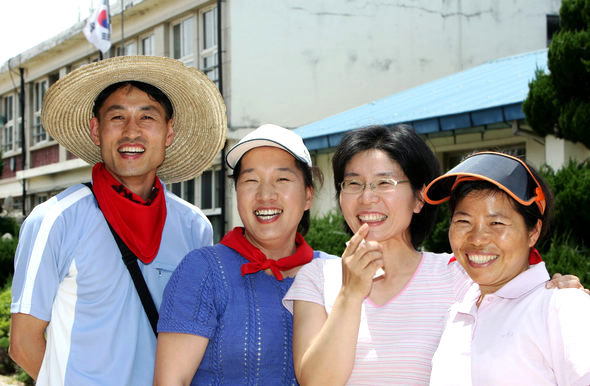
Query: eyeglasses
{"points": [[381, 185]]}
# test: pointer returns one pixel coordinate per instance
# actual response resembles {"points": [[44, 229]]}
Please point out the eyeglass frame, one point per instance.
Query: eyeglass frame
{"points": [[372, 185]]}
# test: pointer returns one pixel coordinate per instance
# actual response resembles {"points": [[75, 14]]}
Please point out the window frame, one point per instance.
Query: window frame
{"points": [[211, 51], [39, 135], [188, 58]]}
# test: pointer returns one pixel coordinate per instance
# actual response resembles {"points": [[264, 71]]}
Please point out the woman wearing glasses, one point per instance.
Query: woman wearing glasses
{"points": [[352, 324]]}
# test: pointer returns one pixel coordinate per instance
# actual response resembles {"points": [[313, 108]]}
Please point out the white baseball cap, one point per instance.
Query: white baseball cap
{"points": [[269, 135]]}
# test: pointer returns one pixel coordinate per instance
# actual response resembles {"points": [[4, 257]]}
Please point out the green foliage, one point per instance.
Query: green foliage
{"points": [[438, 241], [7, 366], [570, 186], [567, 53], [7, 250], [8, 225], [559, 102], [540, 106], [328, 233], [574, 15], [565, 256]]}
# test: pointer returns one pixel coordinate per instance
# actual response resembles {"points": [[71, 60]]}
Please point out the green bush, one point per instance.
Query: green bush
{"points": [[7, 250], [438, 241], [8, 225], [570, 186], [328, 233], [565, 256], [7, 366]]}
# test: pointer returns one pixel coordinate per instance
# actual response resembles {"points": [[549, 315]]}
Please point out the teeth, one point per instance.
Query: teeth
{"points": [[131, 149], [481, 259], [267, 214], [372, 217]]}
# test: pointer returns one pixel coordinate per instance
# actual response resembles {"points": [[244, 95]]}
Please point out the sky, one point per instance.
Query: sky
{"points": [[26, 23]]}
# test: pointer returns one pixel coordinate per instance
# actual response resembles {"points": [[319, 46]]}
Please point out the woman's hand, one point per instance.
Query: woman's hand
{"points": [[565, 281], [360, 260]]}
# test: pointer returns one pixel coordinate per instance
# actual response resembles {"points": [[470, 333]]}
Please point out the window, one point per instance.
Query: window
{"points": [[208, 52], [211, 181], [8, 128], [130, 49], [183, 41], [147, 45], [552, 27], [185, 190], [39, 133]]}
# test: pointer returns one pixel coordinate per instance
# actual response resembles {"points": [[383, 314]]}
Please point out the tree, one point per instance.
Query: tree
{"points": [[559, 102]]}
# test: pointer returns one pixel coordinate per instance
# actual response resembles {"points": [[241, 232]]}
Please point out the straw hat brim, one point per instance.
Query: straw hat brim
{"points": [[200, 122]]}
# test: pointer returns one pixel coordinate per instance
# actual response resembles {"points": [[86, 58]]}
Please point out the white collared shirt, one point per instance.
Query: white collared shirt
{"points": [[523, 334]]}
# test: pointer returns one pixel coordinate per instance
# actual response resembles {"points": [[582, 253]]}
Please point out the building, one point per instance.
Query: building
{"points": [[282, 61]]}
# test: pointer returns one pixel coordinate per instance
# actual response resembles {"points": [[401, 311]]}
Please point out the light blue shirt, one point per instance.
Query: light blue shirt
{"points": [[69, 271]]}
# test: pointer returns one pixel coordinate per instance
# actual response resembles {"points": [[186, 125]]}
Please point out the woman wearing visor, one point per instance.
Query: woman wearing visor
{"points": [[508, 329], [352, 323]]}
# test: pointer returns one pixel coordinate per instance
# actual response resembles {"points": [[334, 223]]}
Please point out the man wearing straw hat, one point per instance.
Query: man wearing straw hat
{"points": [[80, 314]]}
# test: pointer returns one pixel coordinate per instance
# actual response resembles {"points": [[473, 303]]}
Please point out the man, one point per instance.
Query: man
{"points": [[77, 318]]}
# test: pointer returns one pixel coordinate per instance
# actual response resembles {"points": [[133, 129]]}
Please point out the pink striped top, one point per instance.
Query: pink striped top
{"points": [[398, 339]]}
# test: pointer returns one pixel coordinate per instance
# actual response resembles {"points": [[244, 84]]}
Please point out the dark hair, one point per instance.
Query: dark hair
{"points": [[403, 146], [152, 91], [310, 175], [530, 213]]}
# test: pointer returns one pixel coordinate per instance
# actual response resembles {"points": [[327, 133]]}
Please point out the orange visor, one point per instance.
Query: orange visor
{"points": [[508, 173]]}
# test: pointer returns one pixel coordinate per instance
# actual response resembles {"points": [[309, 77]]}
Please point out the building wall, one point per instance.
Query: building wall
{"points": [[294, 62]]}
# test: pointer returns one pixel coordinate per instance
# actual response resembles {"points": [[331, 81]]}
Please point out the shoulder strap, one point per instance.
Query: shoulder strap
{"points": [[130, 261]]}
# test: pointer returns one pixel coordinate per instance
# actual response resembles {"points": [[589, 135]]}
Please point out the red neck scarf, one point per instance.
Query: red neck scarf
{"points": [[139, 223], [534, 257], [235, 240]]}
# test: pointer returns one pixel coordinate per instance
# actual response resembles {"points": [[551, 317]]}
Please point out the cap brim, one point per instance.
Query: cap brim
{"points": [[200, 122], [502, 171]]}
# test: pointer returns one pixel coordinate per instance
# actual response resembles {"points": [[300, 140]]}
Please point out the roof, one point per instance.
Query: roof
{"points": [[486, 94]]}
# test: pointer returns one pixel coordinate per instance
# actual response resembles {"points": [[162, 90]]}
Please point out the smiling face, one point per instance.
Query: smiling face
{"points": [[490, 238], [133, 133], [272, 197], [388, 214]]}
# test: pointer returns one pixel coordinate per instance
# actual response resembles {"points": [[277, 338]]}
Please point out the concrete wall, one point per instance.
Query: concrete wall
{"points": [[297, 61]]}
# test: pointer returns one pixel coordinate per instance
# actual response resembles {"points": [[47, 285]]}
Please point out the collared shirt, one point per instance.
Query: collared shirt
{"points": [[69, 272], [523, 334]]}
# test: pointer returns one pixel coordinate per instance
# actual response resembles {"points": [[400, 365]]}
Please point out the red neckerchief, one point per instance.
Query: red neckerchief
{"points": [[139, 223], [235, 240], [534, 257]]}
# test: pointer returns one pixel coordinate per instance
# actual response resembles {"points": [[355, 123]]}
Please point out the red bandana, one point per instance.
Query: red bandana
{"points": [[139, 223], [235, 240], [534, 257]]}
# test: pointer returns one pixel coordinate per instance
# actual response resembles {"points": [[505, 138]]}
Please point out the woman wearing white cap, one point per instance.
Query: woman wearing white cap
{"points": [[221, 320], [508, 328]]}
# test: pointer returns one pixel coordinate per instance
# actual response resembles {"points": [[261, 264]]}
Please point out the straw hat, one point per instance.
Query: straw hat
{"points": [[200, 122]]}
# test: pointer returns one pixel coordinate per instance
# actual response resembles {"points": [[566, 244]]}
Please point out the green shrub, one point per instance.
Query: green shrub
{"points": [[570, 186], [7, 366], [565, 256], [7, 250], [8, 225], [328, 233], [438, 241]]}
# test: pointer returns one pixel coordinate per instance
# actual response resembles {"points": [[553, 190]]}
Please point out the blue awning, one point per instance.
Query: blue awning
{"points": [[483, 95]]}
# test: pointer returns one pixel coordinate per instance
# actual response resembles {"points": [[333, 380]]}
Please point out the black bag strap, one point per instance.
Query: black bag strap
{"points": [[130, 261]]}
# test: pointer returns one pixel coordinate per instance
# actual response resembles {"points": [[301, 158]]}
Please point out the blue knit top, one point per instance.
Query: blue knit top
{"points": [[249, 330]]}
